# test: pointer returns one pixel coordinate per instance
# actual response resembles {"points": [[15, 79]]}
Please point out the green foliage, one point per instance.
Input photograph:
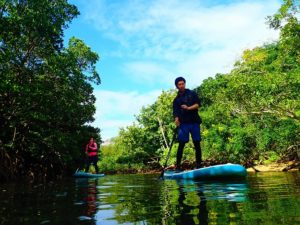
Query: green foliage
{"points": [[262, 101], [142, 143], [250, 115], [46, 97]]}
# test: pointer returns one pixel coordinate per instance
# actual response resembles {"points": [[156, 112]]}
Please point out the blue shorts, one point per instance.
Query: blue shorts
{"points": [[185, 129]]}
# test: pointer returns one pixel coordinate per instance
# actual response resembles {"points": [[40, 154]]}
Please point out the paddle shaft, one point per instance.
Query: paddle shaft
{"points": [[170, 148]]}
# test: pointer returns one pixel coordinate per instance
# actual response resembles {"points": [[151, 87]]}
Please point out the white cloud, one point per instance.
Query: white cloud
{"points": [[147, 71], [186, 36], [117, 109], [155, 41]]}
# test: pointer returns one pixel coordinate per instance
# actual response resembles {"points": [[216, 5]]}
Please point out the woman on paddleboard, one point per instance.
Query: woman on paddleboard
{"points": [[91, 151]]}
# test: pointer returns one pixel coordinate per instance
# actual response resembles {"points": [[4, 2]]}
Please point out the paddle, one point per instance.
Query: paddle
{"points": [[170, 148]]}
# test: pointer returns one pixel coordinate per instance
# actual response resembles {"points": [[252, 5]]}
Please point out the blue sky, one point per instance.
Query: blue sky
{"points": [[145, 44]]}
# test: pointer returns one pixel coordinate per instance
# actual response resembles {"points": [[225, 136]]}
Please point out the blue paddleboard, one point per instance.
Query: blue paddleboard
{"points": [[80, 174], [222, 171]]}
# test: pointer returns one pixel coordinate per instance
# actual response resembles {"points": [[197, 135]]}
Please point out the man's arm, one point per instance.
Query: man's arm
{"points": [[176, 113], [177, 122], [192, 107], [195, 102]]}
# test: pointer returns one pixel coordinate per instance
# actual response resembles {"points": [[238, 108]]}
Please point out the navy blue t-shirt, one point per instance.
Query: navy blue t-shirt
{"points": [[188, 98]]}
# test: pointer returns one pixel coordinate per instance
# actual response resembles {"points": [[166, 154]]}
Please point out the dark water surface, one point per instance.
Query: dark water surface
{"points": [[263, 198]]}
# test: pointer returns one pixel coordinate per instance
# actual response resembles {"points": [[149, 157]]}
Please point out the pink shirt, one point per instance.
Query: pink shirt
{"points": [[91, 149]]}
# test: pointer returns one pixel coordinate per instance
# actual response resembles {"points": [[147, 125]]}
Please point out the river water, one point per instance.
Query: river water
{"points": [[262, 198]]}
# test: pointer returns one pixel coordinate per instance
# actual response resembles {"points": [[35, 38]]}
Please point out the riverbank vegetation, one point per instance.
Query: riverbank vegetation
{"points": [[46, 96], [250, 115]]}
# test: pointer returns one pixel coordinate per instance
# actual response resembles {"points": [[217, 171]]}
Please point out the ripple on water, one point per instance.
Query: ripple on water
{"points": [[103, 186], [106, 206], [267, 198], [83, 218], [79, 203]]}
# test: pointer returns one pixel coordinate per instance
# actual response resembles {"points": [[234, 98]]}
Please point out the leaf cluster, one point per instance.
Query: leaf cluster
{"points": [[46, 94], [250, 115]]}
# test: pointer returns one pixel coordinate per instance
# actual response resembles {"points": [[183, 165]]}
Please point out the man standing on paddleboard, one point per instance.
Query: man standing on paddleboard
{"points": [[187, 119]]}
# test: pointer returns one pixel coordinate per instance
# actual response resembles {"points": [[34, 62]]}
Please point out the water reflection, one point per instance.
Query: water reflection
{"points": [[87, 186], [91, 197], [192, 208], [143, 199], [186, 200]]}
